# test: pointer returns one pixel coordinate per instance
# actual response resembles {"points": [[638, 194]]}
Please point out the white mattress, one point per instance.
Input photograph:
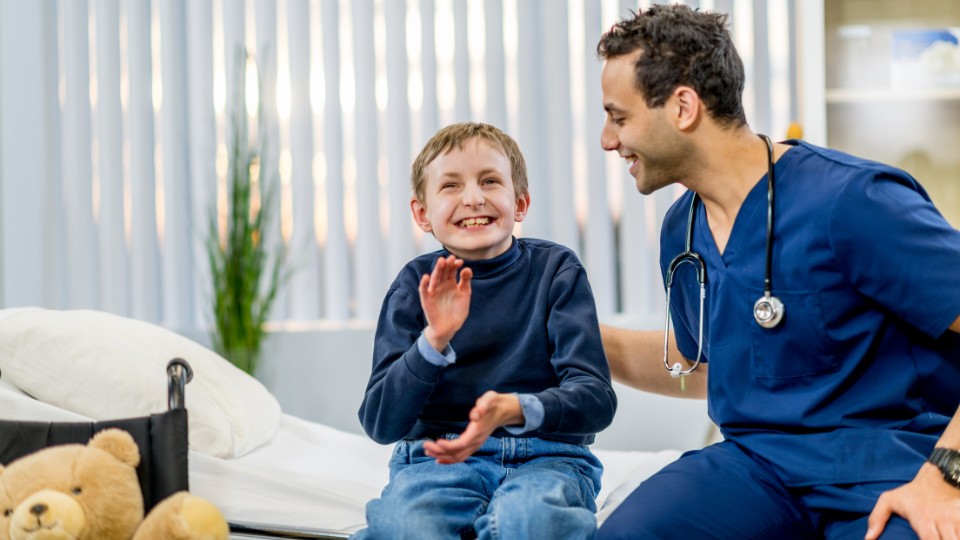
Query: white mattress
{"points": [[312, 476]]}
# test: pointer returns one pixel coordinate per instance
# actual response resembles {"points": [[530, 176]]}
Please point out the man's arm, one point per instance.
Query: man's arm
{"points": [[956, 325], [928, 502], [636, 360]]}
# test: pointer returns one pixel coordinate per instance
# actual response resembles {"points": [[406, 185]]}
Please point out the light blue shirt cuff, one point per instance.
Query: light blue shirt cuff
{"points": [[532, 409], [443, 358]]}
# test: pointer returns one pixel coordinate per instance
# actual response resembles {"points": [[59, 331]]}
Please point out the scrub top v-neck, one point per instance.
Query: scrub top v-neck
{"points": [[851, 378], [751, 216]]}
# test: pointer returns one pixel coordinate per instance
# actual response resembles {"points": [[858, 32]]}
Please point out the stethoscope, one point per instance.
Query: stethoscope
{"points": [[768, 310]]}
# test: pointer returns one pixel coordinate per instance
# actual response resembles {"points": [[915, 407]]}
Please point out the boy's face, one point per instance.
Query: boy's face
{"points": [[470, 204]]}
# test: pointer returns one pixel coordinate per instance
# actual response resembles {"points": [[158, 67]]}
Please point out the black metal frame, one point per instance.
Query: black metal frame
{"points": [[162, 438]]}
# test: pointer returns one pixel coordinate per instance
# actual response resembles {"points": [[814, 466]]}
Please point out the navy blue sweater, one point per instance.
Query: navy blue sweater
{"points": [[532, 329]]}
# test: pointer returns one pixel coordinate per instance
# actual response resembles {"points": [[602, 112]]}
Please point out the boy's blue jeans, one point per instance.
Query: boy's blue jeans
{"points": [[511, 488]]}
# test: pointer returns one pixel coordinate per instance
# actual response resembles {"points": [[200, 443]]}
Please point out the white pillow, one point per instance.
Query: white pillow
{"points": [[105, 367]]}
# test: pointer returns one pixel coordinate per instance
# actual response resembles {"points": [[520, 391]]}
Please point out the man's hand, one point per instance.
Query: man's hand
{"points": [[445, 302], [930, 505], [491, 411]]}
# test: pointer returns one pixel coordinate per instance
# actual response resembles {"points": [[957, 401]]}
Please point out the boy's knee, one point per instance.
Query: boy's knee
{"points": [[540, 509], [537, 519], [545, 491]]}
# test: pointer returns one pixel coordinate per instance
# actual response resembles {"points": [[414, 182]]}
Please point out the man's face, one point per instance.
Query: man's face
{"points": [[642, 136], [470, 204]]}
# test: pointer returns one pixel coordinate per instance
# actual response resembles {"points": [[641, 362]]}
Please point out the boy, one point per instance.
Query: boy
{"points": [[493, 384]]}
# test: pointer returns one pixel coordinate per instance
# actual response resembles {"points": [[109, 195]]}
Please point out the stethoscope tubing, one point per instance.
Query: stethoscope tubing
{"points": [[693, 258], [771, 304], [675, 370]]}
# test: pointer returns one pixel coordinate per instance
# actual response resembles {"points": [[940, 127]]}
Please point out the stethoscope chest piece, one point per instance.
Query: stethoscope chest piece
{"points": [[768, 311]]}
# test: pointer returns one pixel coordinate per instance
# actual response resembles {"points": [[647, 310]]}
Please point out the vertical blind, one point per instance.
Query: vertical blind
{"points": [[135, 98]]}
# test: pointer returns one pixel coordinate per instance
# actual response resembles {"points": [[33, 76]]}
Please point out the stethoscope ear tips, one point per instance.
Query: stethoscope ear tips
{"points": [[768, 311]]}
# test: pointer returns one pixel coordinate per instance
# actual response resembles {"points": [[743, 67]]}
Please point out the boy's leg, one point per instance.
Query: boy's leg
{"points": [[549, 492], [426, 500], [717, 492]]}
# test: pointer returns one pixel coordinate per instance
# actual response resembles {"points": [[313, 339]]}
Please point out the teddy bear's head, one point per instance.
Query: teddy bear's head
{"points": [[73, 491]]}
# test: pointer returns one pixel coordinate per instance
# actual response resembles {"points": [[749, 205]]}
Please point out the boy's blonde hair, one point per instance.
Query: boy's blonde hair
{"points": [[455, 136]]}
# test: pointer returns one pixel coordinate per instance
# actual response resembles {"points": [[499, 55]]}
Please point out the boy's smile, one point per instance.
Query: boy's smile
{"points": [[474, 222], [470, 204]]}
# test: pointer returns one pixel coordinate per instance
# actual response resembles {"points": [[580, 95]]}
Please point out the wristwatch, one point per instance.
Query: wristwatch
{"points": [[948, 461]]}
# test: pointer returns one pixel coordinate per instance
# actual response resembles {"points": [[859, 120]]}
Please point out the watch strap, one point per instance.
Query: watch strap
{"points": [[948, 461]]}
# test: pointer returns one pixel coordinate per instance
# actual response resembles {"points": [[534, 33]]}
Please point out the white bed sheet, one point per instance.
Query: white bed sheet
{"points": [[312, 476]]}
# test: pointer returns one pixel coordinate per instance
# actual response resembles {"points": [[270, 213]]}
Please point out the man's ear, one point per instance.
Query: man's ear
{"points": [[420, 214], [523, 205], [688, 107]]}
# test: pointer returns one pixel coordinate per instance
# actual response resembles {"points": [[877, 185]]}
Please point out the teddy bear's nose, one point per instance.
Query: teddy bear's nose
{"points": [[38, 509]]}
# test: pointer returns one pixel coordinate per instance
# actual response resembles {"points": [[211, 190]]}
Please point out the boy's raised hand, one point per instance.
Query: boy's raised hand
{"points": [[445, 301], [491, 411]]}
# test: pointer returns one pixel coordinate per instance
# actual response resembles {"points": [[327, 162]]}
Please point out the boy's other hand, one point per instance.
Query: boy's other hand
{"points": [[491, 411], [445, 301]]}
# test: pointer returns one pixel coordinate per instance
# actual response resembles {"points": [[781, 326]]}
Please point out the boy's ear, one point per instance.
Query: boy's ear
{"points": [[523, 205], [420, 214]]}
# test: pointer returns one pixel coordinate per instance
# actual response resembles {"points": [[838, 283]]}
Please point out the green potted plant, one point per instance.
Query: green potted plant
{"points": [[246, 273]]}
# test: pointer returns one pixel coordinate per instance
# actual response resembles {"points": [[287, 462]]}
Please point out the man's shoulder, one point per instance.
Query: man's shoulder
{"points": [[824, 162], [678, 213], [831, 175]]}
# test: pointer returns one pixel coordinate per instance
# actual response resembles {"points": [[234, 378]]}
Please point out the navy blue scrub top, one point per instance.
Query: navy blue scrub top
{"points": [[861, 377]]}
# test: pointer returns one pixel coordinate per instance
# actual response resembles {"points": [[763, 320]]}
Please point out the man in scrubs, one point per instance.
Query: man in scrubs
{"points": [[830, 418]]}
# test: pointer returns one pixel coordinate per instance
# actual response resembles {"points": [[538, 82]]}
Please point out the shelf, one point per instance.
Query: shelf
{"points": [[859, 95]]}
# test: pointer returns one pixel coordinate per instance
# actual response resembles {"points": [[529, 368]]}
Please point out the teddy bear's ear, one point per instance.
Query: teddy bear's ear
{"points": [[119, 443]]}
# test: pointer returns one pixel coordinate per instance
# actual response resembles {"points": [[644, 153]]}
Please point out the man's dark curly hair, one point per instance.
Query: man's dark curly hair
{"points": [[680, 46]]}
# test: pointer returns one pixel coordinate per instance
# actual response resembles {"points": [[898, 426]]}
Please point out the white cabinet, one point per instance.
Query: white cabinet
{"points": [[890, 72]]}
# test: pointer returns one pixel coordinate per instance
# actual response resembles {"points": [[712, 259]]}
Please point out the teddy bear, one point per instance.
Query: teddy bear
{"points": [[91, 492]]}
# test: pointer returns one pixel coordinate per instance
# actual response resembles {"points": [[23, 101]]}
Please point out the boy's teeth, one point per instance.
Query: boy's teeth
{"points": [[471, 222]]}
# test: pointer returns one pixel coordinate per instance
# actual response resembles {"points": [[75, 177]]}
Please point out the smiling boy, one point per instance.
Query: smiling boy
{"points": [[494, 383]]}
